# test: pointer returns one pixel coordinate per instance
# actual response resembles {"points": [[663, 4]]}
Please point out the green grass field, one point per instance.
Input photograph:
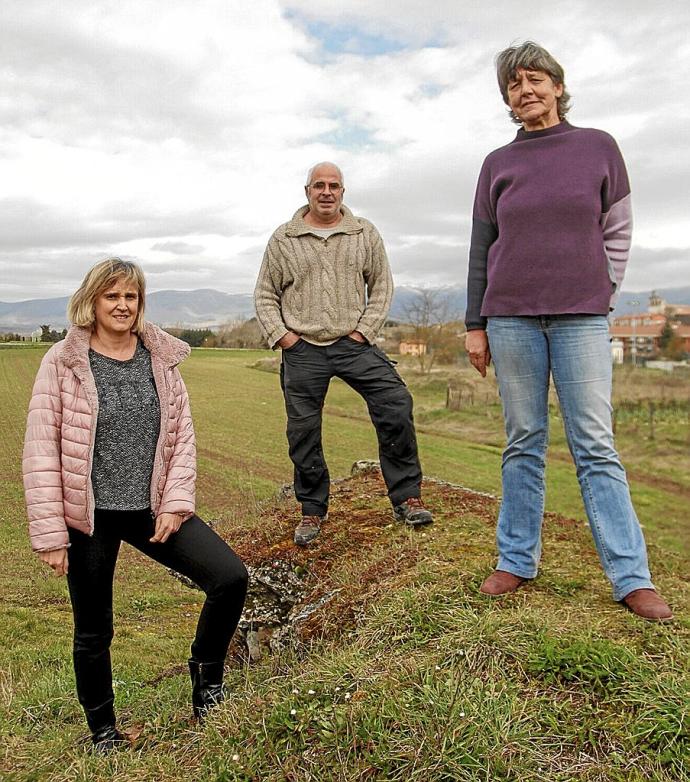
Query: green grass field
{"points": [[408, 674]]}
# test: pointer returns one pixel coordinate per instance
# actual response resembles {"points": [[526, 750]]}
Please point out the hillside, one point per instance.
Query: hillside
{"points": [[208, 308], [200, 308]]}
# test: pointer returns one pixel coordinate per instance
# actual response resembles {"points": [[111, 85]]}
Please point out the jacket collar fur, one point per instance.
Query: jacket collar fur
{"points": [[163, 346]]}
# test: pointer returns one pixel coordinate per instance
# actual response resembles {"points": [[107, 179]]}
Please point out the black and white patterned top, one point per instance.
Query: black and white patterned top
{"points": [[127, 430]]}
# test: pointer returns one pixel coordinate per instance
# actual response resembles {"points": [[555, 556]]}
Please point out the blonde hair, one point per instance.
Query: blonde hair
{"points": [[82, 305]]}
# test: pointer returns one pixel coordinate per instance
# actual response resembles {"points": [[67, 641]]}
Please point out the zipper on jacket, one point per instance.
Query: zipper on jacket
{"points": [[158, 457], [90, 496]]}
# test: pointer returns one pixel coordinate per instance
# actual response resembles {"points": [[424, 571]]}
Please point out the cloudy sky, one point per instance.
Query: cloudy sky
{"points": [[179, 133]]}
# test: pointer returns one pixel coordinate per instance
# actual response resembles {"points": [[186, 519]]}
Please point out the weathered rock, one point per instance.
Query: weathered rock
{"points": [[365, 467], [286, 492], [183, 579], [439, 482], [253, 645]]}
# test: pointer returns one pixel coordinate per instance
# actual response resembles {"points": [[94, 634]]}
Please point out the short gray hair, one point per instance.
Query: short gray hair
{"points": [[531, 57], [324, 163]]}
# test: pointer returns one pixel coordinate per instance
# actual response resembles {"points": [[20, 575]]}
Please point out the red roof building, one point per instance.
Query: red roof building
{"points": [[640, 333]]}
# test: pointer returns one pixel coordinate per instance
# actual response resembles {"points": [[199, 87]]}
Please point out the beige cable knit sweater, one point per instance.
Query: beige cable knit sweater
{"points": [[322, 289]]}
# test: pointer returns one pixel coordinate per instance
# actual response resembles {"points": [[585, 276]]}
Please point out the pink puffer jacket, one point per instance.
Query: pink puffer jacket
{"points": [[61, 429]]}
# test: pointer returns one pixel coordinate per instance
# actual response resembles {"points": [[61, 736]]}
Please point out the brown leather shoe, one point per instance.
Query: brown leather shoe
{"points": [[500, 582], [648, 604]]}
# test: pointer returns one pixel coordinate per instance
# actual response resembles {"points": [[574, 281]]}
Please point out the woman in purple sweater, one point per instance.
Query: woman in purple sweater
{"points": [[550, 241]]}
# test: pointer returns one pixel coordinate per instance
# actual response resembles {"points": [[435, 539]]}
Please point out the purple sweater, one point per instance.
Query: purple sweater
{"points": [[551, 226]]}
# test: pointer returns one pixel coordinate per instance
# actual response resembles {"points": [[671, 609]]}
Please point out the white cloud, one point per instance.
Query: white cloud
{"points": [[180, 134], [178, 248]]}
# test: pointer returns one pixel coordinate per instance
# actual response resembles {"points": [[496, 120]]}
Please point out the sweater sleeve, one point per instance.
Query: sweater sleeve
{"points": [[42, 463], [267, 295], [379, 291], [617, 233], [616, 218], [484, 234]]}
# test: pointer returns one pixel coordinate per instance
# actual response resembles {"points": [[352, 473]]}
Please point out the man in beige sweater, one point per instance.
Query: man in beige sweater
{"points": [[322, 295]]}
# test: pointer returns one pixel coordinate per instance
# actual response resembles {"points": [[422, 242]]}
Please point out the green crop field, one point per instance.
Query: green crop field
{"points": [[408, 673]]}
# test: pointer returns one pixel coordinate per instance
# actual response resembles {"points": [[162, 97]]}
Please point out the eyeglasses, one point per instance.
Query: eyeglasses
{"points": [[334, 187]]}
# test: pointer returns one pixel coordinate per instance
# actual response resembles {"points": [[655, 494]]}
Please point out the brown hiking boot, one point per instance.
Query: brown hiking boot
{"points": [[308, 529], [500, 582], [647, 604], [412, 512]]}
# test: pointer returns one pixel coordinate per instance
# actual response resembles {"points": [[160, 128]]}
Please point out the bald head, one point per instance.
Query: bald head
{"points": [[324, 191], [325, 168]]}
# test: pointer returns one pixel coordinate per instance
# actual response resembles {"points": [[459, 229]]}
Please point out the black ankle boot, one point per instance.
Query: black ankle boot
{"points": [[107, 739], [207, 686], [104, 735]]}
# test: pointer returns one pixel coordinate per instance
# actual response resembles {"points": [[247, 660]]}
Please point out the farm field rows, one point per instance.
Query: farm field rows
{"points": [[554, 683]]}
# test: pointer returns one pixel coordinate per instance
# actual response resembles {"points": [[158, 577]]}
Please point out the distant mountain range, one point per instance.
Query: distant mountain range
{"points": [[208, 308], [201, 308]]}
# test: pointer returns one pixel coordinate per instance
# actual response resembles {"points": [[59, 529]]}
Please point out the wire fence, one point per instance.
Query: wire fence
{"points": [[649, 414], [645, 415]]}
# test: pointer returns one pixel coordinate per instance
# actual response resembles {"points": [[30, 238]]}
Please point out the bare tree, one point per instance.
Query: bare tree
{"points": [[241, 334], [433, 317]]}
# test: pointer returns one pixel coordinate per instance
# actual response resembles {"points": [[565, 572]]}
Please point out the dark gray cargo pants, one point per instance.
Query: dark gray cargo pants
{"points": [[305, 373]]}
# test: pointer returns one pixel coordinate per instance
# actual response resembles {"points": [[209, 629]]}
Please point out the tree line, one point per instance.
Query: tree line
{"points": [[47, 335]]}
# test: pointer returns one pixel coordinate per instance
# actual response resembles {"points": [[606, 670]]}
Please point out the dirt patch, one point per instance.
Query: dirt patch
{"points": [[643, 478], [658, 482], [297, 594]]}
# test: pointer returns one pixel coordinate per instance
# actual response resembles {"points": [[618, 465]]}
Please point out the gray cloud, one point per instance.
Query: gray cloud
{"points": [[145, 129], [29, 224], [428, 263], [665, 267], [178, 248]]}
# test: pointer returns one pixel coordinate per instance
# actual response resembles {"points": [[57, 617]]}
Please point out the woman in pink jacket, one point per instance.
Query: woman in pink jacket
{"points": [[109, 456]]}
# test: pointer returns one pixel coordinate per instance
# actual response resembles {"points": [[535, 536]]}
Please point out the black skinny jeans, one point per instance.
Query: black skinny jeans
{"points": [[305, 373], [195, 550]]}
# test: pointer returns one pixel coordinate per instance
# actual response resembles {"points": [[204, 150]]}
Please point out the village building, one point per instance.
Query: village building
{"points": [[638, 337], [412, 347]]}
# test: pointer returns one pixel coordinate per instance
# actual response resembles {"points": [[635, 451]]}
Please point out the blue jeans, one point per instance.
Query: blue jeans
{"points": [[575, 350]]}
